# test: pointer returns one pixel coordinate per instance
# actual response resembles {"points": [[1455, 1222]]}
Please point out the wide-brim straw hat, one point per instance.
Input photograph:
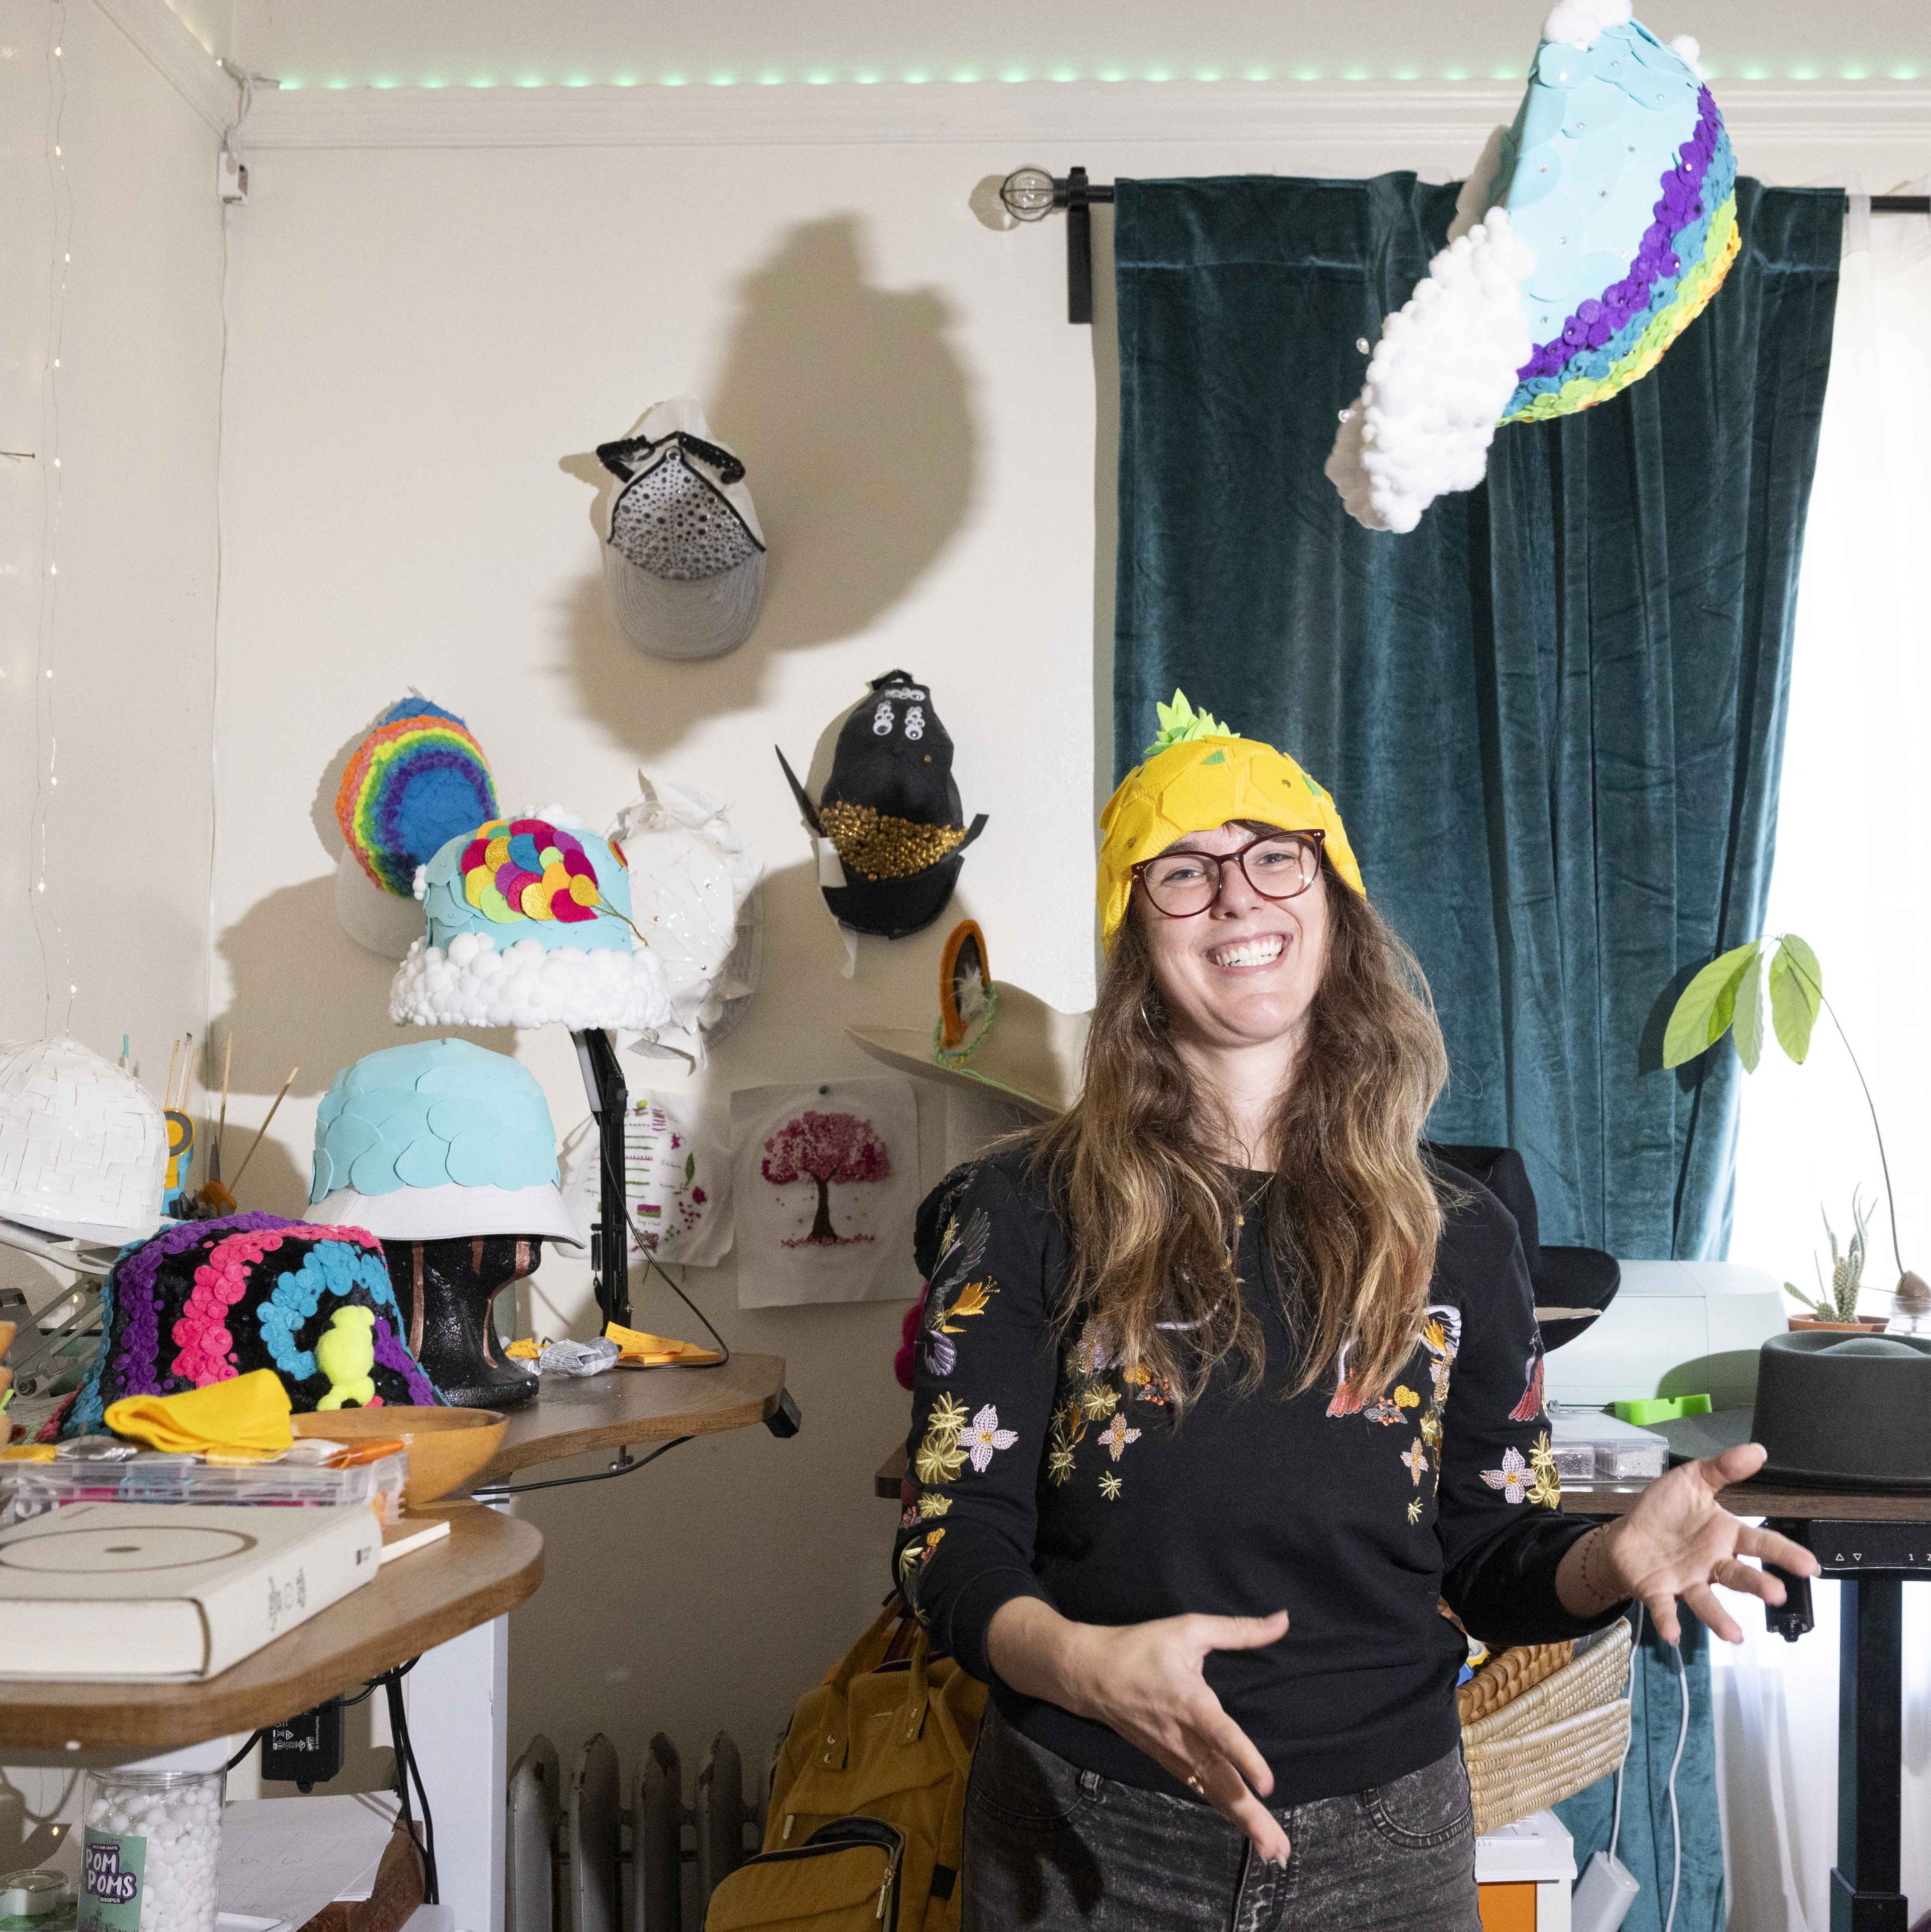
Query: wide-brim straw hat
{"points": [[1002, 1039]]}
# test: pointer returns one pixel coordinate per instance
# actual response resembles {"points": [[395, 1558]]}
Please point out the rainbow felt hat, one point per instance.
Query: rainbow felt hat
{"points": [[1595, 230]]}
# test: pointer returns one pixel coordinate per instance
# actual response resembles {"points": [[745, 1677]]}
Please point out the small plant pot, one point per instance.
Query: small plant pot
{"points": [[1865, 1325]]}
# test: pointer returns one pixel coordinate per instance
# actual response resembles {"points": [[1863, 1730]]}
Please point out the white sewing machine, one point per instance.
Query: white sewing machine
{"points": [[1675, 1328]]}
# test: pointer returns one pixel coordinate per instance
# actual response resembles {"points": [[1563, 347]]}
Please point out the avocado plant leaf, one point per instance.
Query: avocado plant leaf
{"points": [[1747, 1025], [1707, 1005], [1796, 995]]}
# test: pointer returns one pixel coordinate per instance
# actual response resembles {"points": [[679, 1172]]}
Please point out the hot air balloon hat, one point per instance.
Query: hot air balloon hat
{"points": [[1196, 775], [1608, 219], [529, 923]]}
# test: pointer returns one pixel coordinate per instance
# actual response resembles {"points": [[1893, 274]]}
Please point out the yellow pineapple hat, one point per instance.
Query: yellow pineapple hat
{"points": [[1194, 777]]}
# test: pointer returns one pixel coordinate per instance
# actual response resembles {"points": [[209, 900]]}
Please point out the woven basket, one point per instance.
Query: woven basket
{"points": [[1555, 1739], [1508, 1675], [1522, 1775]]}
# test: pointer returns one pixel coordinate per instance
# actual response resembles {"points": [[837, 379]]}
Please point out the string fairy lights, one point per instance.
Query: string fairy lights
{"points": [[46, 914]]}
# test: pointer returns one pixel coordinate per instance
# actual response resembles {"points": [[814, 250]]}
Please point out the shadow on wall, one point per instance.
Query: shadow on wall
{"points": [[304, 995], [849, 405]]}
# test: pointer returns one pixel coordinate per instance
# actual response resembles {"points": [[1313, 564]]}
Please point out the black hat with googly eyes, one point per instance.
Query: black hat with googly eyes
{"points": [[889, 829]]}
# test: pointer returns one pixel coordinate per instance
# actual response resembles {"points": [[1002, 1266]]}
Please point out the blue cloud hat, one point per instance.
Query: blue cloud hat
{"points": [[438, 1139]]}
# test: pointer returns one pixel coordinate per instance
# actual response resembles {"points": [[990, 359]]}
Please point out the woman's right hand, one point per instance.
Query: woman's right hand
{"points": [[1147, 1682]]}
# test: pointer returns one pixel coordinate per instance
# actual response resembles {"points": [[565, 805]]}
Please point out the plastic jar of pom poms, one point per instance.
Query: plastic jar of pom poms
{"points": [[152, 1846]]}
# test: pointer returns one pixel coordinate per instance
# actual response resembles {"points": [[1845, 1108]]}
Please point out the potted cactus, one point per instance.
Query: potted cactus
{"points": [[1835, 1303], [1727, 997]]}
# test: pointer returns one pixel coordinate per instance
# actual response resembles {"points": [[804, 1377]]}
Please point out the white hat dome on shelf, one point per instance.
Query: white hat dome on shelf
{"points": [[83, 1145], [528, 922], [694, 887]]}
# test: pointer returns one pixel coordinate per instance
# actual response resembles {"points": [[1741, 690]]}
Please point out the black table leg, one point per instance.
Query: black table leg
{"points": [[1864, 1896]]}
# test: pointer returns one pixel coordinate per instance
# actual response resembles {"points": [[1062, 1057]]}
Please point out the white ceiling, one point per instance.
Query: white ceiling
{"points": [[354, 43]]}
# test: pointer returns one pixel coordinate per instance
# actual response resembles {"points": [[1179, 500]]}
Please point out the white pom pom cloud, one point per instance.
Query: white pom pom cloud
{"points": [[1439, 380], [525, 984]]}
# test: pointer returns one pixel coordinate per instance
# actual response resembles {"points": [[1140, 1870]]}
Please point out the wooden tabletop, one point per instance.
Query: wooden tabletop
{"points": [[574, 1416], [1764, 1499], [487, 1564]]}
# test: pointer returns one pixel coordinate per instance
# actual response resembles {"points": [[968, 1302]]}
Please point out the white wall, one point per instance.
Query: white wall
{"points": [[108, 758], [127, 521], [429, 338]]}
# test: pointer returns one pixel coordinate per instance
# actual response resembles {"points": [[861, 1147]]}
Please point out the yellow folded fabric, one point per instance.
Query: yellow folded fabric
{"points": [[644, 1351], [249, 1411], [29, 1452]]}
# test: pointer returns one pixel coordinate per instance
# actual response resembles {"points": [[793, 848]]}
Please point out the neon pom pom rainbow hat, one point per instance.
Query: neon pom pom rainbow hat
{"points": [[1611, 221], [417, 780], [1197, 775]]}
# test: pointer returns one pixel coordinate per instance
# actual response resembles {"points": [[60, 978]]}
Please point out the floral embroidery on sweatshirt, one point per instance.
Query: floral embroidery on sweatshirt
{"points": [[939, 1458], [982, 1435], [1533, 1480], [1110, 1485], [1116, 1435], [951, 1298], [1529, 1409]]}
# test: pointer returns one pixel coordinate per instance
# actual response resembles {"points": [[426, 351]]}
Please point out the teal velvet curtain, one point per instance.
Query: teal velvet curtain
{"points": [[1553, 714]]}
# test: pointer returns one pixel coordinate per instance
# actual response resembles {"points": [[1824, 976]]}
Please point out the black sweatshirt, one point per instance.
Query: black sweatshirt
{"points": [[1041, 1467]]}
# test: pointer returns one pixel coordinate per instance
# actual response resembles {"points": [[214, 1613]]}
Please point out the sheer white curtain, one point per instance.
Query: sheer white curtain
{"points": [[1853, 875]]}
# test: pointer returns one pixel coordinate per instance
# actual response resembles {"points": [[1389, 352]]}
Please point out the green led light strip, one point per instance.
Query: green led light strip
{"points": [[1406, 76]]}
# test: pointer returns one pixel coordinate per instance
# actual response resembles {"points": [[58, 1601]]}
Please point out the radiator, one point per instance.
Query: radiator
{"points": [[568, 1849]]}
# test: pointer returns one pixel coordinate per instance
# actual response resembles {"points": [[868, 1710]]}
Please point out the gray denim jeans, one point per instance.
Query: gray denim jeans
{"points": [[1055, 1849]]}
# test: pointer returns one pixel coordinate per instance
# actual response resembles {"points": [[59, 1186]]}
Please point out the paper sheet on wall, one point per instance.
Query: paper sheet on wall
{"points": [[825, 1183], [677, 1181]]}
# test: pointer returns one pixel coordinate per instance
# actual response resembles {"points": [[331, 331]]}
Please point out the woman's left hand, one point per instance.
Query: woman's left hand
{"points": [[1678, 1542]]}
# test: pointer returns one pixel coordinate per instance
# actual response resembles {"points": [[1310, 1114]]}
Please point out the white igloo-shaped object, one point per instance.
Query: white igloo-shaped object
{"points": [[83, 1145]]}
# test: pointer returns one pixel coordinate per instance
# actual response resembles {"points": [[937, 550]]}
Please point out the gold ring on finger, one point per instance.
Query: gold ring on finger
{"points": [[1194, 1785]]}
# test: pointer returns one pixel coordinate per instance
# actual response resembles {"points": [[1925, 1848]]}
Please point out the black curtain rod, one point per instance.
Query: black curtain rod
{"points": [[1030, 194]]}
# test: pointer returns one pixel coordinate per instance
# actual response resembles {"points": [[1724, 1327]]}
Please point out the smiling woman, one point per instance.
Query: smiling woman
{"points": [[1231, 1401]]}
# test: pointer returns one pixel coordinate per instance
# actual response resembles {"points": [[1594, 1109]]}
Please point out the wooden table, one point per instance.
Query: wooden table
{"points": [[488, 1564], [575, 1418], [446, 1605]]}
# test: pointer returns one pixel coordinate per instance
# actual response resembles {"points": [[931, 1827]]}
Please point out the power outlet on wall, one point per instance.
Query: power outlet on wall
{"points": [[231, 176]]}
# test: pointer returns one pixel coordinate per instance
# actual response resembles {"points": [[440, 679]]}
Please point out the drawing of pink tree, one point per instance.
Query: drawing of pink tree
{"points": [[823, 1148]]}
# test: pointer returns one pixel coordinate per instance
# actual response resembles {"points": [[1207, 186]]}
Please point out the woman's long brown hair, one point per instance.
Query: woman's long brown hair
{"points": [[1353, 1218]]}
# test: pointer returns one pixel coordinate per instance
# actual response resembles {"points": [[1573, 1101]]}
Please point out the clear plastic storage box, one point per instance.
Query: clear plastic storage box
{"points": [[28, 1488], [1590, 1446]]}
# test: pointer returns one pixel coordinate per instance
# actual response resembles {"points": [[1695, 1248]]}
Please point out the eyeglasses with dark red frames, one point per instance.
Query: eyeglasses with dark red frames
{"points": [[1216, 864]]}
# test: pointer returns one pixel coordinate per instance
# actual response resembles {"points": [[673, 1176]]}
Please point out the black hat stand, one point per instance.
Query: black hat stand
{"points": [[609, 1236]]}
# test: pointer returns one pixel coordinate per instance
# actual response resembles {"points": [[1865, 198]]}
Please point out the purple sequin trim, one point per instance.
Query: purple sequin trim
{"points": [[391, 1353], [1596, 321], [135, 1369]]}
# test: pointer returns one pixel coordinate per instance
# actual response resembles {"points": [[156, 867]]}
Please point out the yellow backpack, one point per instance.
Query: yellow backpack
{"points": [[868, 1800]]}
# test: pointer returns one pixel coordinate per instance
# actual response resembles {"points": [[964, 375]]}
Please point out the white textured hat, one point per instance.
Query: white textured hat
{"points": [[83, 1145], [683, 554]]}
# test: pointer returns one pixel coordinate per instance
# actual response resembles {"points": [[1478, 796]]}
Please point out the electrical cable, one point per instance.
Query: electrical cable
{"points": [[1616, 1827], [615, 1179], [406, 1767], [1675, 1823], [622, 1467], [254, 1739]]}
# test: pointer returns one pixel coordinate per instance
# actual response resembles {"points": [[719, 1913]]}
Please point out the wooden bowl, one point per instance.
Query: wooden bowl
{"points": [[446, 1446]]}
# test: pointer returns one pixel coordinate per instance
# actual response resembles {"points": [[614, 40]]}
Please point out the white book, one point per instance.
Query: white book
{"points": [[153, 1592]]}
